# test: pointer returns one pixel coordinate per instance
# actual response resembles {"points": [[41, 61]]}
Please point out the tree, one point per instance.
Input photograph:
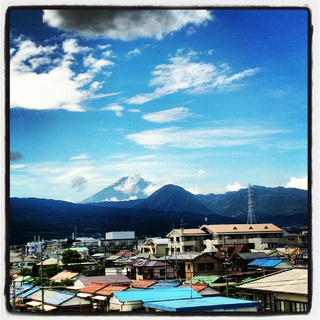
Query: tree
{"points": [[71, 256]]}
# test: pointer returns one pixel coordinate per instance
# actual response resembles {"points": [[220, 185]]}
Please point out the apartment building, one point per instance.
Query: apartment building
{"points": [[186, 240], [214, 236]]}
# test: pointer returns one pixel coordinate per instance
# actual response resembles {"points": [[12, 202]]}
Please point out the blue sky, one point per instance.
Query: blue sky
{"points": [[210, 100]]}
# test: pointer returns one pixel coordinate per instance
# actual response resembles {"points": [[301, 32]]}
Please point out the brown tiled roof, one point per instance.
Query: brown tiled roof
{"points": [[107, 291], [143, 284], [92, 287], [64, 275], [242, 228], [124, 253]]}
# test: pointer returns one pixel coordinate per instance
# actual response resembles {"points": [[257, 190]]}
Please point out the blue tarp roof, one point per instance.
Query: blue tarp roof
{"points": [[265, 262], [57, 298], [204, 304], [147, 295]]}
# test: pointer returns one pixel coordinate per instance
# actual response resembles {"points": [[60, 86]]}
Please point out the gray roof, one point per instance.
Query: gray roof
{"points": [[294, 281], [252, 255]]}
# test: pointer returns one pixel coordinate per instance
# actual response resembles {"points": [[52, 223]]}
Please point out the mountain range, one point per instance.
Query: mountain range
{"points": [[155, 215]]}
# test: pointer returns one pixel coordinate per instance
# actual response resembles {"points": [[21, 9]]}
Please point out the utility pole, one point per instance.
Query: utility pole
{"points": [[227, 263]]}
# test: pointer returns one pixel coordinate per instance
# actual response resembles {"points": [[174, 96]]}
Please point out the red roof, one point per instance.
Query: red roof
{"points": [[107, 291], [143, 284], [92, 287], [196, 286]]}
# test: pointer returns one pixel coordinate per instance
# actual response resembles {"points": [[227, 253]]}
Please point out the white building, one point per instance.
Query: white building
{"points": [[120, 235]]}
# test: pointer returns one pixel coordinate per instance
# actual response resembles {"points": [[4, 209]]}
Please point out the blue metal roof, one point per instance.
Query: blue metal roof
{"points": [[147, 295], [204, 304], [32, 290], [23, 288], [165, 284]]}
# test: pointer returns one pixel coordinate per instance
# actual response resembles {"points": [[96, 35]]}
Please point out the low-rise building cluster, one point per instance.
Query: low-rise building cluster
{"points": [[212, 268]]}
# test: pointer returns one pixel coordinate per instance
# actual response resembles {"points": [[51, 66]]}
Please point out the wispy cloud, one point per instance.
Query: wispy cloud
{"points": [[184, 73], [169, 115], [80, 157], [125, 25], [201, 137]]}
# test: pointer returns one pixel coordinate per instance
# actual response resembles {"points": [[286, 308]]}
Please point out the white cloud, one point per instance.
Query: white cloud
{"points": [[169, 115], [116, 108], [234, 187], [39, 80], [80, 157], [184, 74], [201, 173], [299, 183], [201, 137], [130, 185], [133, 53], [125, 24]]}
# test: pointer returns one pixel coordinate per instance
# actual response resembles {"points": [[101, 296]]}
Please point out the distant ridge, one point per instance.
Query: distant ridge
{"points": [[174, 198]]}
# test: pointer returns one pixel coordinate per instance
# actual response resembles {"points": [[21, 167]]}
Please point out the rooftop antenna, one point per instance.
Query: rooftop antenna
{"points": [[251, 216], [182, 224]]}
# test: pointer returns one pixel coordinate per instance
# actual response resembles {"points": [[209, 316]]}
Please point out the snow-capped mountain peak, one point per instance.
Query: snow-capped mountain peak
{"points": [[127, 188]]}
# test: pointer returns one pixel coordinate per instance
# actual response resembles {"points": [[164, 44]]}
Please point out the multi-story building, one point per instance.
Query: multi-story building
{"points": [[214, 236], [254, 236], [187, 240]]}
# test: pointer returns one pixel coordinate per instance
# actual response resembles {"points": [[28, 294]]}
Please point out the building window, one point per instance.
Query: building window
{"points": [[201, 267], [162, 272], [178, 239], [298, 307], [210, 266], [171, 239]]}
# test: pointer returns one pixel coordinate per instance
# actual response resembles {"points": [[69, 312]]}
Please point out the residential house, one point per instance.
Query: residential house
{"points": [[101, 297], [208, 304], [283, 291], [65, 275], [130, 300], [269, 263], [152, 269], [155, 246], [119, 279], [189, 264], [90, 289], [203, 289], [51, 300], [241, 260]]}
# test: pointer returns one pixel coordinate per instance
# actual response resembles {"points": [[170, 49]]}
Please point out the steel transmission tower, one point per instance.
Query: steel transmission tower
{"points": [[251, 216]]}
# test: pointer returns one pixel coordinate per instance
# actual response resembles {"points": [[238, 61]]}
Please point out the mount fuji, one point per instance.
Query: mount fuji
{"points": [[125, 189]]}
